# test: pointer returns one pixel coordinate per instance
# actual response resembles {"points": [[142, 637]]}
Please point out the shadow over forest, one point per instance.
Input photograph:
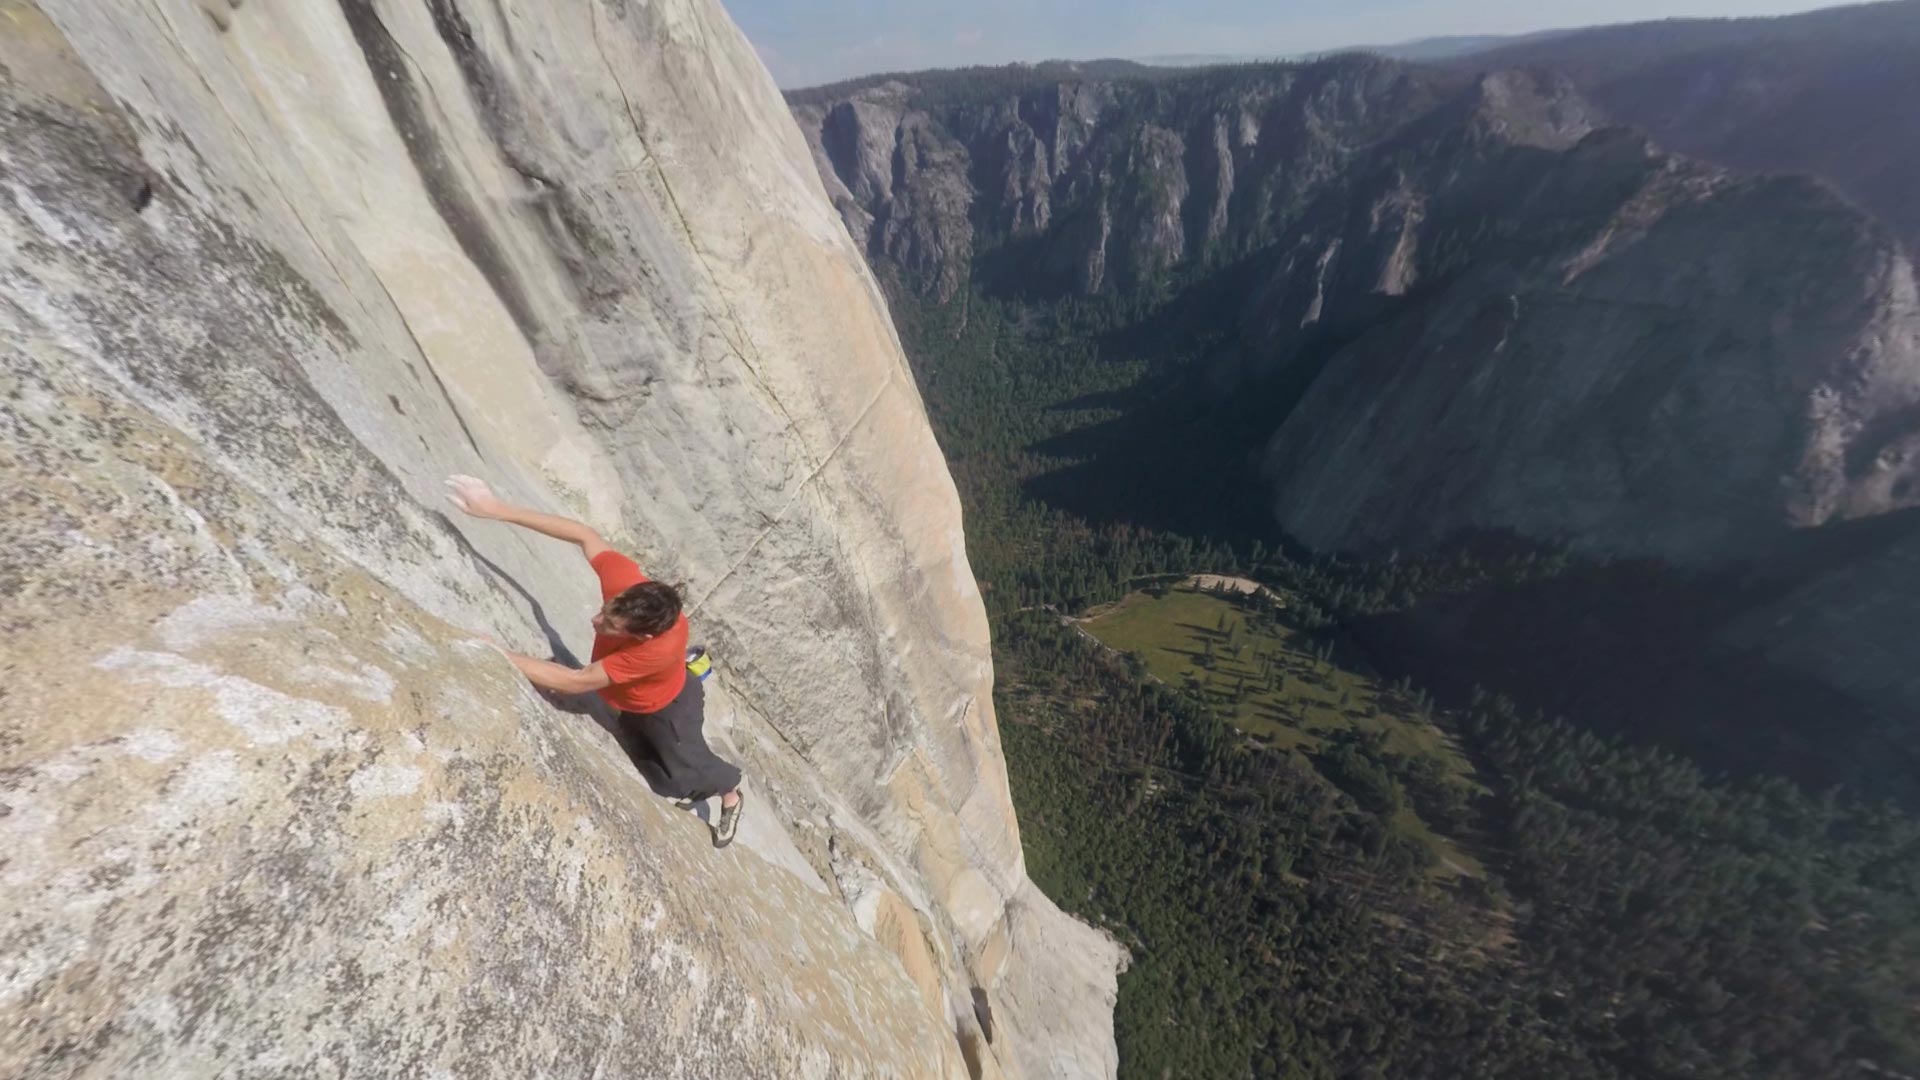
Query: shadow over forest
{"points": [[1637, 649]]}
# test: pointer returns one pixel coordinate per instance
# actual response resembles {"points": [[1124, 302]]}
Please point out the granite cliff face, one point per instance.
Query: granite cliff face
{"points": [[267, 273]]}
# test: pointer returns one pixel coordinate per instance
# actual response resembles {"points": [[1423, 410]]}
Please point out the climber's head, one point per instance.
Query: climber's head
{"points": [[646, 610]]}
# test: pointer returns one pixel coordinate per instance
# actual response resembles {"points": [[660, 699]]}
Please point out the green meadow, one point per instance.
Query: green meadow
{"points": [[1286, 690]]}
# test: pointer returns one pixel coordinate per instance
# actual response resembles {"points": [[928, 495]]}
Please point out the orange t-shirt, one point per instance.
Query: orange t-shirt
{"points": [[647, 675]]}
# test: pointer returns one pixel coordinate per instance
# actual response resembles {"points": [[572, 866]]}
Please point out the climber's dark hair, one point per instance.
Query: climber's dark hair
{"points": [[648, 608]]}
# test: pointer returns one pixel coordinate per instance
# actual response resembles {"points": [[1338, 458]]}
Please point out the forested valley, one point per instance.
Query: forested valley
{"points": [[1449, 554], [1627, 913]]}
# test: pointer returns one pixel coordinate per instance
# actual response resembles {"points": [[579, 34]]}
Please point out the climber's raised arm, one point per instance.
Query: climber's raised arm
{"points": [[560, 678], [472, 496], [640, 662]]}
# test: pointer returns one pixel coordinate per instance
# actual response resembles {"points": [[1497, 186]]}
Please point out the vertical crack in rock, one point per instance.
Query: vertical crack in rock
{"points": [[446, 394], [799, 489], [745, 341], [171, 36], [393, 72], [569, 230]]}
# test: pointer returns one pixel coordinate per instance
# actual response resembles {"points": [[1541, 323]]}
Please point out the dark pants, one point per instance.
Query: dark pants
{"points": [[674, 754]]}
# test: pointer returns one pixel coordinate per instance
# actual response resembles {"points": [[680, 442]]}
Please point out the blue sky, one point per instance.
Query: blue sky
{"points": [[805, 42]]}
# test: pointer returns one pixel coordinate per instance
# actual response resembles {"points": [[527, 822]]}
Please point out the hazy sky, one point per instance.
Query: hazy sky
{"points": [[806, 42]]}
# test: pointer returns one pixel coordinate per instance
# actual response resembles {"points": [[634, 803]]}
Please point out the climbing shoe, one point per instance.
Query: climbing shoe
{"points": [[729, 823], [685, 804]]}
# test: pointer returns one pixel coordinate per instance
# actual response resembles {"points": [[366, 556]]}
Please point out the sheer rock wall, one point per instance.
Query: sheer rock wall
{"points": [[267, 274]]}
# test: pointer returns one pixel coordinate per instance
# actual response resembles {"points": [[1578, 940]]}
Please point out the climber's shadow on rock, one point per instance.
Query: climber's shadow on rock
{"points": [[589, 705]]}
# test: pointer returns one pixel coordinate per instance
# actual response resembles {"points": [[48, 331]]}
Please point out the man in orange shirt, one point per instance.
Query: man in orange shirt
{"points": [[639, 662]]}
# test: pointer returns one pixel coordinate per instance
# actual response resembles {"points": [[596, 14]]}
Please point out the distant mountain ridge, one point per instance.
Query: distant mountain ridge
{"points": [[1363, 200], [1458, 299], [1827, 92], [1107, 183], [1830, 93], [1443, 47]]}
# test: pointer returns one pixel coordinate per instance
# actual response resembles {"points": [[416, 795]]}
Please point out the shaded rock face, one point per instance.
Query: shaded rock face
{"points": [[902, 195], [267, 274], [1846, 627], [1828, 93], [1585, 341]]}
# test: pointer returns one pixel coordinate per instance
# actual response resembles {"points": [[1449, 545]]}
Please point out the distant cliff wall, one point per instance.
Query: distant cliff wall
{"points": [[1472, 304]]}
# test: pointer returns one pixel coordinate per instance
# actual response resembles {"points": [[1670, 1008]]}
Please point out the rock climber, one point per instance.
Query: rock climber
{"points": [[639, 662]]}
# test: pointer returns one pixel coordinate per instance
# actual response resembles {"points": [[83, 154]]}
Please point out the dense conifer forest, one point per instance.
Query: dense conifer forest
{"points": [[1630, 915]]}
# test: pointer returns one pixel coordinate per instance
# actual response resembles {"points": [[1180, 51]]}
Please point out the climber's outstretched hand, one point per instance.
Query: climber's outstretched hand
{"points": [[471, 495], [487, 641]]}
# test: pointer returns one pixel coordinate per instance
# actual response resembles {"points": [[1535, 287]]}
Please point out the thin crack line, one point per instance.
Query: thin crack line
{"points": [[780, 517], [172, 35], [742, 346]]}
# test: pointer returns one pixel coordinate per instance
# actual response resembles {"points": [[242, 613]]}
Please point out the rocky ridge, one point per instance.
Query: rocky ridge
{"points": [[1826, 93], [269, 274], [1596, 342], [1463, 301], [1111, 183]]}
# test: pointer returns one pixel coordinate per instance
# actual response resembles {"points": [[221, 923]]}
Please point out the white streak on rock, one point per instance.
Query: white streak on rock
{"points": [[382, 781], [151, 744], [267, 716], [205, 618]]}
